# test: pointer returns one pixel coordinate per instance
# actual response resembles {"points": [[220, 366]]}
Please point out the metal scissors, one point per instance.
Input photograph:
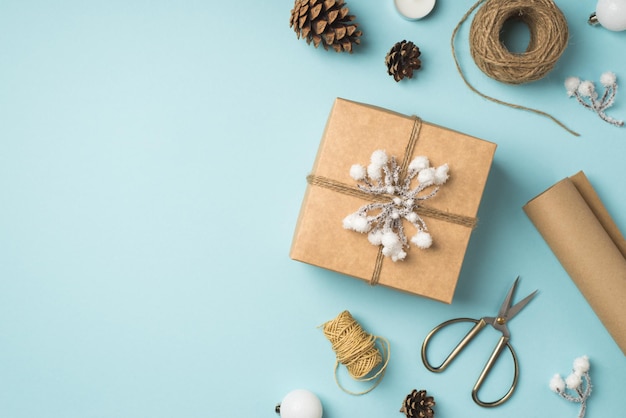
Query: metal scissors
{"points": [[499, 322]]}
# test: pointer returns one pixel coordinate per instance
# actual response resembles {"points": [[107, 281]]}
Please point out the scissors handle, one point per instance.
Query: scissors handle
{"points": [[502, 342], [479, 325]]}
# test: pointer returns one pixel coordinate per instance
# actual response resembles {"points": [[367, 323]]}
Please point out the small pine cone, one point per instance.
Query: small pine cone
{"points": [[325, 22], [418, 405], [402, 60]]}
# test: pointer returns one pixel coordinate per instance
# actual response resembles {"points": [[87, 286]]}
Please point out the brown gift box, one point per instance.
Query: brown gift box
{"points": [[577, 227], [352, 133]]}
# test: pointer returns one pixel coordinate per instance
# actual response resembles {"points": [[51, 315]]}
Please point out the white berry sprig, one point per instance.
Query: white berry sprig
{"points": [[382, 220], [577, 386], [586, 94]]}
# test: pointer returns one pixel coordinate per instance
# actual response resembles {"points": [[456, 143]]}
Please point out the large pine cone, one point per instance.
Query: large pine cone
{"points": [[325, 22], [418, 405], [402, 60]]}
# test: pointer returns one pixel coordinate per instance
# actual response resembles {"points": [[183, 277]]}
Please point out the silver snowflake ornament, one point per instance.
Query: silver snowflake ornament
{"points": [[395, 201]]}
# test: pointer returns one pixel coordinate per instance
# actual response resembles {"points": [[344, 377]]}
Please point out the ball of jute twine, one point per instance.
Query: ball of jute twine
{"points": [[357, 351], [548, 38]]}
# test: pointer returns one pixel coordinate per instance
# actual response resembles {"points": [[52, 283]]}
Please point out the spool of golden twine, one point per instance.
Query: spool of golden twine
{"points": [[357, 351], [549, 35]]}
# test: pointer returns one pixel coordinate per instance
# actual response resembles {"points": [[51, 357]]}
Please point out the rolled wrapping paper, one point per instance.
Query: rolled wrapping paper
{"points": [[577, 227]]}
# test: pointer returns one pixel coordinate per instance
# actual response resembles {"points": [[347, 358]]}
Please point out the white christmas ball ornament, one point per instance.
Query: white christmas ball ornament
{"points": [[300, 403], [414, 9], [611, 14]]}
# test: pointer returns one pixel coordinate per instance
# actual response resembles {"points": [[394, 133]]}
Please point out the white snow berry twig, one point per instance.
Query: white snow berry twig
{"points": [[586, 94], [577, 386]]}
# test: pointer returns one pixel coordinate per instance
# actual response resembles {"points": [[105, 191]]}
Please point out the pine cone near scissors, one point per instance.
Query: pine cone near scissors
{"points": [[325, 22], [418, 405], [402, 60]]}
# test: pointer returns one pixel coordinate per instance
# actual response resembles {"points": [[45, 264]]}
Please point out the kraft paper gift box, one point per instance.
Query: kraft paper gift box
{"points": [[353, 132]]}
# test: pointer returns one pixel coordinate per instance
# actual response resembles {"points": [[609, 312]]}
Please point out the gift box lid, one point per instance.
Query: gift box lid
{"points": [[353, 132]]}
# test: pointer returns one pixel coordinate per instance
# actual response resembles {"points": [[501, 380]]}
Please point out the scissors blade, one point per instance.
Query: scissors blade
{"points": [[506, 310], [506, 304], [514, 310]]}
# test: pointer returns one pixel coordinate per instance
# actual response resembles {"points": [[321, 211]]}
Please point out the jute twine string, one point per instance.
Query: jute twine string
{"points": [[549, 35], [339, 187], [357, 351], [548, 39]]}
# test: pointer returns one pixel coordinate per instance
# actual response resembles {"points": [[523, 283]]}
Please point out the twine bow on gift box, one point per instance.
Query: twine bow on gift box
{"points": [[387, 186]]}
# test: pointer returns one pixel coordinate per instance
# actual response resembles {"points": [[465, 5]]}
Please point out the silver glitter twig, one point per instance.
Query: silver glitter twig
{"points": [[577, 386], [585, 93]]}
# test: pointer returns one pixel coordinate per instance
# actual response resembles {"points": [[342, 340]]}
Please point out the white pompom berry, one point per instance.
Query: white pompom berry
{"points": [[581, 365], [557, 384], [422, 240], [573, 381], [357, 172], [374, 172], [356, 223], [390, 239], [426, 176], [379, 158], [419, 163], [586, 89], [361, 225], [608, 79], [441, 174], [375, 237], [347, 221], [571, 85], [400, 255]]}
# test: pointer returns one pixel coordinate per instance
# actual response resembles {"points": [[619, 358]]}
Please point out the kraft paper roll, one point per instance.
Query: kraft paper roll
{"points": [[577, 227]]}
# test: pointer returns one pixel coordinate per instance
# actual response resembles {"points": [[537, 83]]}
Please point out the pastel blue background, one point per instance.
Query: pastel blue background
{"points": [[153, 157]]}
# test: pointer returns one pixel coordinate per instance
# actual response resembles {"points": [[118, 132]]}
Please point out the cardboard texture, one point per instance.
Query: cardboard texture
{"points": [[577, 227], [352, 133]]}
